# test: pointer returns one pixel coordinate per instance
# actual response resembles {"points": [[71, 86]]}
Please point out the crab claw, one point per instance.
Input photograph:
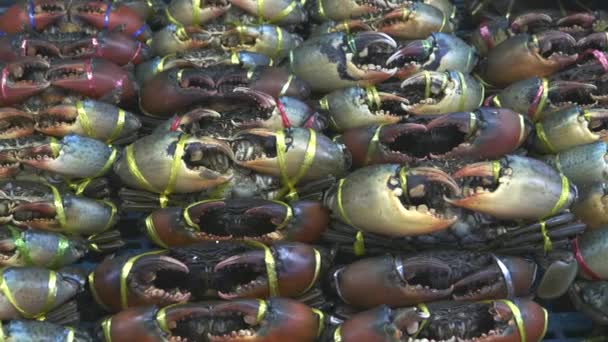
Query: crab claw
{"points": [[22, 79], [464, 322], [187, 123], [42, 248], [36, 15], [95, 78], [103, 121], [537, 97], [280, 113], [14, 47], [15, 123], [146, 323], [513, 188], [273, 81], [346, 26], [32, 293], [80, 215], [570, 127], [592, 207], [342, 10], [270, 40], [398, 201], [485, 133], [378, 144], [110, 17], [433, 93], [527, 56], [357, 107], [506, 277], [295, 276], [239, 219], [151, 278], [414, 20], [583, 22], [184, 12], [182, 89], [205, 163], [278, 12], [594, 41], [583, 164], [337, 60], [439, 52], [383, 324], [173, 39], [73, 156], [258, 150], [396, 281], [113, 46]]}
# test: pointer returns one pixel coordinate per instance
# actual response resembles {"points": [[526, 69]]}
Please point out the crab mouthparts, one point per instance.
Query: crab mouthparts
{"points": [[198, 157], [255, 147]]}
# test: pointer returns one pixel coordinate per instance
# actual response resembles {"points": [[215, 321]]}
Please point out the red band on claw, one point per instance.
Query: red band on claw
{"points": [[175, 124], [284, 117], [601, 57], [484, 31]]}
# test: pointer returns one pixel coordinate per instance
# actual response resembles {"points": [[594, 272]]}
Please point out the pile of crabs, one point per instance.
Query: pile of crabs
{"points": [[319, 170]]}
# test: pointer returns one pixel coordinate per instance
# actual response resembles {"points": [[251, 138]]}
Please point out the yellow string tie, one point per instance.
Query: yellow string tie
{"points": [[83, 118], [321, 11], [50, 298], [321, 316], [271, 271], [70, 336], [341, 210], [124, 273], [106, 326], [286, 85], [373, 98], [94, 292], [359, 244], [373, 145], [317, 271], [59, 210], [262, 307], [152, 233], [120, 124], [338, 334], [196, 12], [563, 197], [548, 245], [279, 46], [161, 318], [422, 325], [309, 156], [540, 132], [518, 318]]}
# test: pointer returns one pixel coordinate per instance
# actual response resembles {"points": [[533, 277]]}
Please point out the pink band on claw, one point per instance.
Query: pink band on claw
{"points": [[89, 71], [284, 117], [534, 106], [484, 31], [3, 83], [175, 124], [601, 57]]}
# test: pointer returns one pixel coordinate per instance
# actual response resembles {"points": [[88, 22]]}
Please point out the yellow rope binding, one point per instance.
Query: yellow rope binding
{"points": [[309, 155], [271, 271]]}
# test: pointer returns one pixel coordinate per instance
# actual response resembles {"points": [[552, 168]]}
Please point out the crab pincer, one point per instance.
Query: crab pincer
{"points": [[110, 16], [22, 79], [16, 46], [414, 20], [113, 46], [35, 15]]}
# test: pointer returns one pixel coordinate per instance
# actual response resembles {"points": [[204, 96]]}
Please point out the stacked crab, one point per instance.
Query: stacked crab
{"points": [[330, 170], [65, 96]]}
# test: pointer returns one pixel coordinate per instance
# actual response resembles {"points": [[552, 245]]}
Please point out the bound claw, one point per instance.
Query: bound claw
{"points": [[528, 56], [22, 79], [204, 163], [269, 40], [45, 249], [95, 78], [396, 281], [439, 52], [246, 219], [88, 118], [258, 150], [113, 46], [151, 278], [414, 20], [38, 331], [399, 201], [485, 133], [383, 323], [357, 107], [14, 47], [273, 81], [489, 188], [279, 12], [15, 123], [73, 156], [583, 164], [337, 60], [177, 39], [570, 127], [537, 97], [344, 10], [295, 275], [182, 89], [184, 12], [433, 93], [189, 123], [36, 15], [110, 17], [39, 206], [34, 293]]}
